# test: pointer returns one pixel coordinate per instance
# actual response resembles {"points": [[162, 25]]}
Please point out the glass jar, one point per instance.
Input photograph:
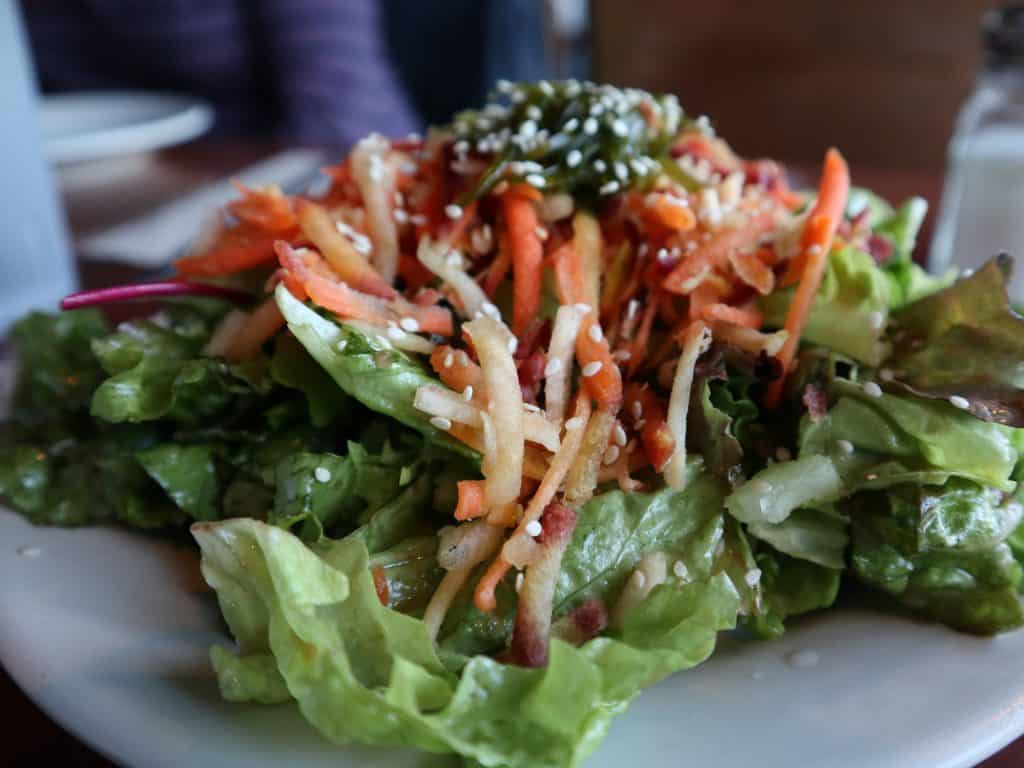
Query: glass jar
{"points": [[982, 209]]}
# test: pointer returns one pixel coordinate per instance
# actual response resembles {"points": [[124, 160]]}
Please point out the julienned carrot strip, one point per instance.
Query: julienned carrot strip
{"points": [[268, 209], [525, 191], [499, 268], [322, 286], [458, 229], [816, 242], [455, 369], [341, 254], [656, 437], [701, 297], [672, 212], [715, 251], [601, 375], [238, 248], [643, 335], [746, 318], [483, 596], [527, 254], [471, 500]]}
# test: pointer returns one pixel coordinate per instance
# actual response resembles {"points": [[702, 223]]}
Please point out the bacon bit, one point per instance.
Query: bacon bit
{"points": [[752, 270], [745, 318], [815, 401], [585, 622], [532, 629], [531, 373], [880, 248], [380, 585]]}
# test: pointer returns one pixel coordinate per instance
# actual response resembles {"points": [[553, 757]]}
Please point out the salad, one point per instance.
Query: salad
{"points": [[511, 421]]}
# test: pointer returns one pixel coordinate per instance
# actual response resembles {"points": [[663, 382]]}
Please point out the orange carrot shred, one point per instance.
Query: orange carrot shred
{"points": [[471, 500], [527, 254], [816, 243], [745, 318], [483, 596]]}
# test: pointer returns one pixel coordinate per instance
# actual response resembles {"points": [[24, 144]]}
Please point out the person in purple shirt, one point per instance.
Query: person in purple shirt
{"points": [[304, 70]]}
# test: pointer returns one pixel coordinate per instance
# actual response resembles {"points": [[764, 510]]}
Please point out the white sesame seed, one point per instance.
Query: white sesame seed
{"points": [[591, 369], [876, 319], [752, 577], [534, 529], [501, 187], [342, 344], [782, 453], [600, 165], [573, 424], [395, 333], [691, 245], [541, 232], [637, 409], [590, 126], [870, 476], [570, 125], [533, 112], [554, 365], [619, 128], [449, 360], [401, 216], [440, 422], [418, 219], [409, 168], [813, 250], [536, 180], [519, 581], [609, 188], [638, 167], [680, 570], [574, 158], [611, 455], [322, 474], [409, 324], [454, 260], [871, 389], [886, 374], [663, 255], [621, 171], [453, 211], [582, 307], [546, 88], [527, 129], [959, 402], [594, 332], [639, 579], [531, 408], [845, 446], [622, 355], [619, 435]]}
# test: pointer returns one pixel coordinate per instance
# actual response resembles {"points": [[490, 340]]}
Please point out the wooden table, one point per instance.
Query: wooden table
{"points": [[132, 186]]}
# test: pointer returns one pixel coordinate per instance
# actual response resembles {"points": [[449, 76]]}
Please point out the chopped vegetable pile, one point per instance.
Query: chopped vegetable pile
{"points": [[513, 419]]}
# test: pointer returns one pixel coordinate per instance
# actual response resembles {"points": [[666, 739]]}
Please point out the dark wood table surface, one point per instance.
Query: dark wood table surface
{"points": [[117, 191]]}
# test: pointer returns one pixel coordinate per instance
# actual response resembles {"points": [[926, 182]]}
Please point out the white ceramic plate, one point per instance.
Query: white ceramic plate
{"points": [[108, 632], [94, 124]]}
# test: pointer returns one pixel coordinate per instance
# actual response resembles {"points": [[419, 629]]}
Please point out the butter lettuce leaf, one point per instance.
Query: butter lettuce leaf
{"points": [[361, 671]]}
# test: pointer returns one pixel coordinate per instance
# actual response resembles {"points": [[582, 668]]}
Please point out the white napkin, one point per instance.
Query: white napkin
{"points": [[161, 235]]}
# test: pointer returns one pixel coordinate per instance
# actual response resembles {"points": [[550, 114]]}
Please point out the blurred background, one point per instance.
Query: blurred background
{"points": [[883, 79]]}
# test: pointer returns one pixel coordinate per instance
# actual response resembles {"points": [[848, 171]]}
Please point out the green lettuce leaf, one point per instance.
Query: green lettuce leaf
{"points": [[966, 342], [360, 671], [773, 493], [817, 535], [941, 551], [898, 438], [384, 380], [788, 587], [849, 313]]}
